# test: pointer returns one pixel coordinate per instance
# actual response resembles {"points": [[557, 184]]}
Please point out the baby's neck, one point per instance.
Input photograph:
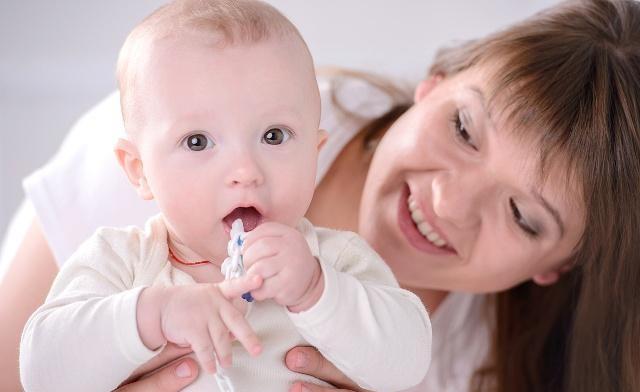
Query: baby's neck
{"points": [[201, 273], [184, 259]]}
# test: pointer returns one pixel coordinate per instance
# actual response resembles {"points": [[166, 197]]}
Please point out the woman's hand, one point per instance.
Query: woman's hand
{"points": [[307, 360], [166, 372]]}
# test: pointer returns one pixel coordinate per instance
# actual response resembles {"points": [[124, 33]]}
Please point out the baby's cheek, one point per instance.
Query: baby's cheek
{"points": [[293, 205]]}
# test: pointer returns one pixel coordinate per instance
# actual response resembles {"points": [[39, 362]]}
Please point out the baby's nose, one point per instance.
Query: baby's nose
{"points": [[244, 171]]}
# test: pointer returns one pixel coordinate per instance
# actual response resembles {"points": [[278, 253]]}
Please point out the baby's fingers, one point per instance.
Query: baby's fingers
{"points": [[204, 350], [240, 328], [222, 342], [234, 288]]}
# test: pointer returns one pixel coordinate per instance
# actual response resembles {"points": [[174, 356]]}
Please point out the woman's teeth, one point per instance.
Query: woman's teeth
{"points": [[423, 227]]}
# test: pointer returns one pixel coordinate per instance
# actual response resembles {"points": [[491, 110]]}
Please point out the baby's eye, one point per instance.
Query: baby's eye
{"points": [[275, 136], [198, 142]]}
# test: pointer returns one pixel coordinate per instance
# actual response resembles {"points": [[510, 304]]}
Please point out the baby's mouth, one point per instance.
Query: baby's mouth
{"points": [[251, 218]]}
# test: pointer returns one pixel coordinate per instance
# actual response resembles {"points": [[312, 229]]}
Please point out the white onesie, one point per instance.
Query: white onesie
{"points": [[85, 336]]}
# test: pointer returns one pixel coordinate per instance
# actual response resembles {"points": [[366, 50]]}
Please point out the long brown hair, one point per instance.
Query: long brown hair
{"points": [[570, 78]]}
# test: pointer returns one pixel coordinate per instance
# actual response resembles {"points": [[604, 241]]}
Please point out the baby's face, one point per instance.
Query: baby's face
{"points": [[226, 133]]}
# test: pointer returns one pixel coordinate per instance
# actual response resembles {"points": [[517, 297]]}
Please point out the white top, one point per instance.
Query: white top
{"points": [[83, 188], [85, 336]]}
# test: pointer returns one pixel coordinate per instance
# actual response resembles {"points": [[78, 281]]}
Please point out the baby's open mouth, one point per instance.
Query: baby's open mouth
{"points": [[251, 218]]}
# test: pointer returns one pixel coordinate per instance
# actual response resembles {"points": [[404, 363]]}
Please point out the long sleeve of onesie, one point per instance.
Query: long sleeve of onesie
{"points": [[376, 333], [90, 313], [85, 337]]}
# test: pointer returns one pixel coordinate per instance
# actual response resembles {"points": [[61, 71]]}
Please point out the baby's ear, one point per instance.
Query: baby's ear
{"points": [[129, 159], [322, 138]]}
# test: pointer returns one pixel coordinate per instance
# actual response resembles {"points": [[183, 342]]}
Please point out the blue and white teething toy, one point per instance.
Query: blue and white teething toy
{"points": [[232, 268]]}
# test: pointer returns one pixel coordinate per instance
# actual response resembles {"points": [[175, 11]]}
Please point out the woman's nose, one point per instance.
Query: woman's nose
{"points": [[244, 171], [457, 197]]}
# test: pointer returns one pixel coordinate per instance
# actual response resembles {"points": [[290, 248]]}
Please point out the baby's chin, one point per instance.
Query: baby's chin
{"points": [[194, 245]]}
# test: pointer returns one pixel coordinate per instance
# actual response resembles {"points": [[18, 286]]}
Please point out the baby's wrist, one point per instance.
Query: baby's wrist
{"points": [[148, 316], [313, 293]]}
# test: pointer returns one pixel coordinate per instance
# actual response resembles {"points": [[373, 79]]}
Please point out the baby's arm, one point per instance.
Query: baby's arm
{"points": [[85, 337], [378, 334], [94, 329], [346, 302]]}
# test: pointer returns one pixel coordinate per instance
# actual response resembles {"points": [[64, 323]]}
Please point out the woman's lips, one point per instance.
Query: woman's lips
{"points": [[410, 231]]}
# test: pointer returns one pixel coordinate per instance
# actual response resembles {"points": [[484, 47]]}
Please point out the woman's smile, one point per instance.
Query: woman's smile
{"points": [[417, 228]]}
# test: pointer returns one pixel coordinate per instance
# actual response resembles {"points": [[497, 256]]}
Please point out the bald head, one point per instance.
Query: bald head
{"points": [[213, 24]]}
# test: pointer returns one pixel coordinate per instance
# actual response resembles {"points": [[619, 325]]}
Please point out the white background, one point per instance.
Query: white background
{"points": [[57, 58]]}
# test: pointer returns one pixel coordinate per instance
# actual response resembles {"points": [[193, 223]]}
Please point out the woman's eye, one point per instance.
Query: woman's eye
{"points": [[275, 136], [517, 216], [198, 142], [461, 131]]}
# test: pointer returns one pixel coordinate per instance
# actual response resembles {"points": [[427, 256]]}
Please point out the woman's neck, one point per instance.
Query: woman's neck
{"points": [[431, 299], [336, 201]]}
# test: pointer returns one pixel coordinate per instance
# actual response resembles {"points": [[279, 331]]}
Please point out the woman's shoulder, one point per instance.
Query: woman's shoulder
{"points": [[350, 100], [82, 187]]}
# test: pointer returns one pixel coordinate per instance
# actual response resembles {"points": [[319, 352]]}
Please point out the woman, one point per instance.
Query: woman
{"points": [[513, 175]]}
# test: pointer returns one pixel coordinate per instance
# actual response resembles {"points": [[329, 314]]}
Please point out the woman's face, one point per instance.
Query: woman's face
{"points": [[453, 200]]}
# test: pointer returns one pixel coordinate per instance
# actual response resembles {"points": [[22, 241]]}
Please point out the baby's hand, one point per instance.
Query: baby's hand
{"points": [[199, 316], [281, 256]]}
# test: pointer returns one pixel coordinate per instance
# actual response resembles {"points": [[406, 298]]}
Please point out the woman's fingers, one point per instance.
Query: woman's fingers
{"points": [[307, 360], [308, 387], [168, 354], [172, 378]]}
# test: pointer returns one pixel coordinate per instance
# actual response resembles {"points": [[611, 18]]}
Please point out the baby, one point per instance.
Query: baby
{"points": [[222, 109]]}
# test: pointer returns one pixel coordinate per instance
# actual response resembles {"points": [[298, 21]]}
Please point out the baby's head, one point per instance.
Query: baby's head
{"points": [[222, 109]]}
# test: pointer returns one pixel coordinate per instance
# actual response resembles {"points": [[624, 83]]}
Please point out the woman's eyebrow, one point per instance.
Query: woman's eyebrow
{"points": [[480, 95], [551, 209], [547, 206], [477, 92]]}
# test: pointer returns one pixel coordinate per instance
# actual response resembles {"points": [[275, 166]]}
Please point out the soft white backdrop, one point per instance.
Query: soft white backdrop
{"points": [[57, 57]]}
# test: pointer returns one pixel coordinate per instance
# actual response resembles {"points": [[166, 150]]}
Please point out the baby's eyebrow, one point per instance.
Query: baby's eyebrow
{"points": [[550, 209]]}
